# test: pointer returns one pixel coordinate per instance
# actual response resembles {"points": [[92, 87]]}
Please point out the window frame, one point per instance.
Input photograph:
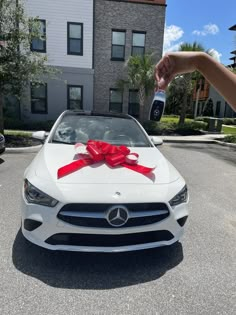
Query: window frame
{"points": [[130, 104], [121, 104], [138, 32], [68, 95], [44, 50], [117, 31], [33, 110], [69, 52]]}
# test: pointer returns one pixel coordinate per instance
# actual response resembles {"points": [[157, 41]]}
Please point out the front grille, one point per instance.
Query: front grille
{"points": [[109, 240], [94, 215], [103, 207]]}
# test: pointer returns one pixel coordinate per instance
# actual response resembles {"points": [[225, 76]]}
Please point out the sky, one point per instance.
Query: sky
{"points": [[204, 21]]}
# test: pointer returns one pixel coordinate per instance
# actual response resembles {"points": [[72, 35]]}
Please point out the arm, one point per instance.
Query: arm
{"points": [[223, 80]]}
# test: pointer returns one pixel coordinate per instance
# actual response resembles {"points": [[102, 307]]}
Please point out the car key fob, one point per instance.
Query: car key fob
{"points": [[158, 106]]}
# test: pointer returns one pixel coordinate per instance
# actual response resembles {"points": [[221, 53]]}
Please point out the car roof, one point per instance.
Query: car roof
{"points": [[97, 113]]}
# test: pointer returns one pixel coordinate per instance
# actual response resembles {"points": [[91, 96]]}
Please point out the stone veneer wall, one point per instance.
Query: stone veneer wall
{"points": [[129, 16]]}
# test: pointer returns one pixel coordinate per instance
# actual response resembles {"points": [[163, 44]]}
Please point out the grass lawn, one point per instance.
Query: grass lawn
{"points": [[17, 133], [229, 130], [172, 119]]}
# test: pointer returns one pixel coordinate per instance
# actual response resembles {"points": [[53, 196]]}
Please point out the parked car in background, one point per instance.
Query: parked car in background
{"points": [[2, 143], [76, 198]]}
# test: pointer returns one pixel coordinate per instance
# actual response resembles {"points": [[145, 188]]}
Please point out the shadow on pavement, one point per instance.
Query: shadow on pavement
{"points": [[220, 152], [1, 161], [75, 270]]}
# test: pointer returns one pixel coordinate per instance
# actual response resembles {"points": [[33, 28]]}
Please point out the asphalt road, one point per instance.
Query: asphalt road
{"points": [[196, 276]]}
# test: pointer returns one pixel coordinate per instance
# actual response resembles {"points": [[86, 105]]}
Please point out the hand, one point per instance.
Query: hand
{"points": [[172, 64]]}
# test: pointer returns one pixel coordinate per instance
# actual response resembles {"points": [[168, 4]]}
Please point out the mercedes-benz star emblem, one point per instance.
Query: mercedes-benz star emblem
{"points": [[117, 216]]}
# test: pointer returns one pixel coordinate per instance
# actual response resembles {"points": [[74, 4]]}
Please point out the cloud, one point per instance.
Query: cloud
{"points": [[172, 34], [209, 29], [215, 54]]}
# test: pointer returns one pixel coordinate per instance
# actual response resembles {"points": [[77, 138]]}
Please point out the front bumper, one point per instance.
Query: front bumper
{"points": [[55, 234]]}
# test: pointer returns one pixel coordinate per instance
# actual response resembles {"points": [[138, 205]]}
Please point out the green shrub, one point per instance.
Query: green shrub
{"points": [[191, 128], [159, 128], [171, 116], [15, 124], [10, 123], [229, 121], [231, 139], [190, 116], [202, 118], [168, 128]]}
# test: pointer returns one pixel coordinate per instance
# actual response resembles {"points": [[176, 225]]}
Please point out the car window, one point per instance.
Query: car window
{"points": [[118, 131]]}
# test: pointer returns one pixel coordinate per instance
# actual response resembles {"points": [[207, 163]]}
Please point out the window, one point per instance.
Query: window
{"points": [[218, 106], [118, 45], [202, 84], [138, 43], [74, 38], [39, 99], [75, 97], [39, 44], [116, 100], [133, 103]]}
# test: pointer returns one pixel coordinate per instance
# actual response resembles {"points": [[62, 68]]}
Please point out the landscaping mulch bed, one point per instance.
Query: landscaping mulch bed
{"points": [[20, 141]]}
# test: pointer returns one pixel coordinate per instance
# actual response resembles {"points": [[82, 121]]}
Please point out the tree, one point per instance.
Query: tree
{"points": [[18, 64], [187, 78], [140, 76], [175, 94]]}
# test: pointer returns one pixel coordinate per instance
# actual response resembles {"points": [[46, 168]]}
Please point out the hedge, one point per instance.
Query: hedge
{"points": [[230, 138], [162, 128], [15, 124], [226, 121]]}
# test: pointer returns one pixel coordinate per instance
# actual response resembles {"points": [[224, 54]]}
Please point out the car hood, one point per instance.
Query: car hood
{"points": [[53, 156]]}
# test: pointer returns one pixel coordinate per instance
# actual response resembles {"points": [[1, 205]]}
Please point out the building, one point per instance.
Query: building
{"points": [[207, 94], [123, 28], [68, 29], [233, 65], [89, 41], [221, 107]]}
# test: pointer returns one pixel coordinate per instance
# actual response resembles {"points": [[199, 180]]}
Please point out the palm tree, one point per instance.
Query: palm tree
{"points": [[187, 78], [140, 76]]}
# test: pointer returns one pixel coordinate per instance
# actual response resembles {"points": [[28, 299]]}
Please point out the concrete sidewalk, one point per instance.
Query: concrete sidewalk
{"points": [[208, 138]]}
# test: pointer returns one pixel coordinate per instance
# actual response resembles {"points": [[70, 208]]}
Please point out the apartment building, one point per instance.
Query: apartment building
{"points": [[68, 29], [207, 93], [123, 28], [89, 42]]}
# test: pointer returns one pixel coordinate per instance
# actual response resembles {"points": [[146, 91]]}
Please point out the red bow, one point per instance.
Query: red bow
{"points": [[102, 151]]}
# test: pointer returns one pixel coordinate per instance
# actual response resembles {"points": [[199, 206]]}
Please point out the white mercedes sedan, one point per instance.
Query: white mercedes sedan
{"points": [[99, 184]]}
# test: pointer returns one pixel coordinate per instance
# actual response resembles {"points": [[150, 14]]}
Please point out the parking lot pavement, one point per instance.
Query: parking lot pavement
{"points": [[196, 276]]}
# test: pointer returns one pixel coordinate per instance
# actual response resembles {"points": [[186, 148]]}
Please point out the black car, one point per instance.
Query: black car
{"points": [[2, 143]]}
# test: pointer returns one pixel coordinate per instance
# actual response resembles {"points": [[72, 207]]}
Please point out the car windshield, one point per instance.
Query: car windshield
{"points": [[115, 130]]}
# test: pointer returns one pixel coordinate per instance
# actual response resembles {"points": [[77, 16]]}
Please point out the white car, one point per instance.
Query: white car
{"points": [[96, 206]]}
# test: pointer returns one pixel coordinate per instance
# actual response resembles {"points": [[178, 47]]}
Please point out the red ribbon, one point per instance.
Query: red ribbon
{"points": [[99, 151]]}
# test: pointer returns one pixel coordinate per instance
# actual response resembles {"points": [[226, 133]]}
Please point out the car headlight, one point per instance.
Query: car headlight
{"points": [[34, 195], [181, 197]]}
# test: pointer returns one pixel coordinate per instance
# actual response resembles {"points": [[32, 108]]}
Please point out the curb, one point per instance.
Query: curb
{"points": [[226, 144], [188, 141], [33, 149]]}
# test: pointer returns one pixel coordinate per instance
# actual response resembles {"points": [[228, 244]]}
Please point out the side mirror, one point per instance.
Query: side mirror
{"points": [[156, 140], [40, 135]]}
